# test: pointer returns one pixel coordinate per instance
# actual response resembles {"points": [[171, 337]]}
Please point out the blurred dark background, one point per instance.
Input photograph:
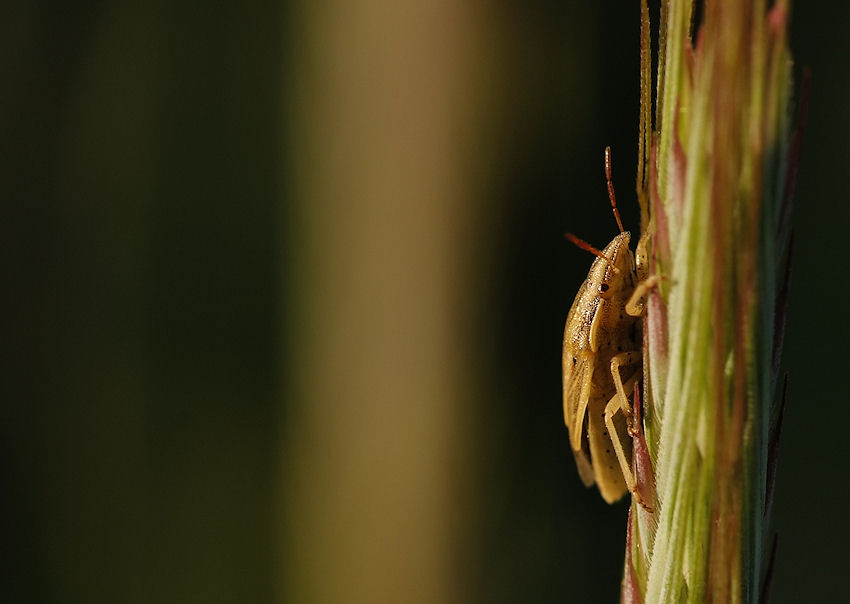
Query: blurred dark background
{"points": [[284, 292]]}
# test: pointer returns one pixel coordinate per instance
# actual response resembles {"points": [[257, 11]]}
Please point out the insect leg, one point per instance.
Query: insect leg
{"points": [[623, 359], [614, 405], [634, 306]]}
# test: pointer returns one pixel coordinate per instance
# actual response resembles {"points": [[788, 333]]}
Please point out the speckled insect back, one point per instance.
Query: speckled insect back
{"points": [[601, 364]]}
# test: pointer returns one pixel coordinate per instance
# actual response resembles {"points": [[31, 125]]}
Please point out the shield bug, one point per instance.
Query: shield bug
{"points": [[602, 362]]}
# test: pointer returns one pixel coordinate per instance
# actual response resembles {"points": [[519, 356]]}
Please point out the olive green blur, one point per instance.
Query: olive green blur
{"points": [[284, 288]]}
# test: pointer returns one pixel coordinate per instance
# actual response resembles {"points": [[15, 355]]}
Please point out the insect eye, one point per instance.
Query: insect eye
{"points": [[605, 291]]}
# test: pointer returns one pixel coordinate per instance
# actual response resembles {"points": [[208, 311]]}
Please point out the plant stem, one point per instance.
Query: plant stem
{"points": [[715, 181]]}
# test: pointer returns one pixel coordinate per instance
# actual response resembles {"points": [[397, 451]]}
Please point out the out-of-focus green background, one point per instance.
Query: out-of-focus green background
{"points": [[284, 289]]}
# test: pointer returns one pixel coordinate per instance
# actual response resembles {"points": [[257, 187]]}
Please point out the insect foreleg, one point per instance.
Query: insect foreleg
{"points": [[634, 306]]}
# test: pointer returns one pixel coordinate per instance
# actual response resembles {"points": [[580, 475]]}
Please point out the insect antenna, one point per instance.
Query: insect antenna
{"points": [[587, 247], [611, 195]]}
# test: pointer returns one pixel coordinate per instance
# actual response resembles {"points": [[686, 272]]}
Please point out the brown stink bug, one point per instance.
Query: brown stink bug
{"points": [[602, 362]]}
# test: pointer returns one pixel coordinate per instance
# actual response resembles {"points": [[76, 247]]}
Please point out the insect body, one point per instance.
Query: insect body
{"points": [[602, 362]]}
